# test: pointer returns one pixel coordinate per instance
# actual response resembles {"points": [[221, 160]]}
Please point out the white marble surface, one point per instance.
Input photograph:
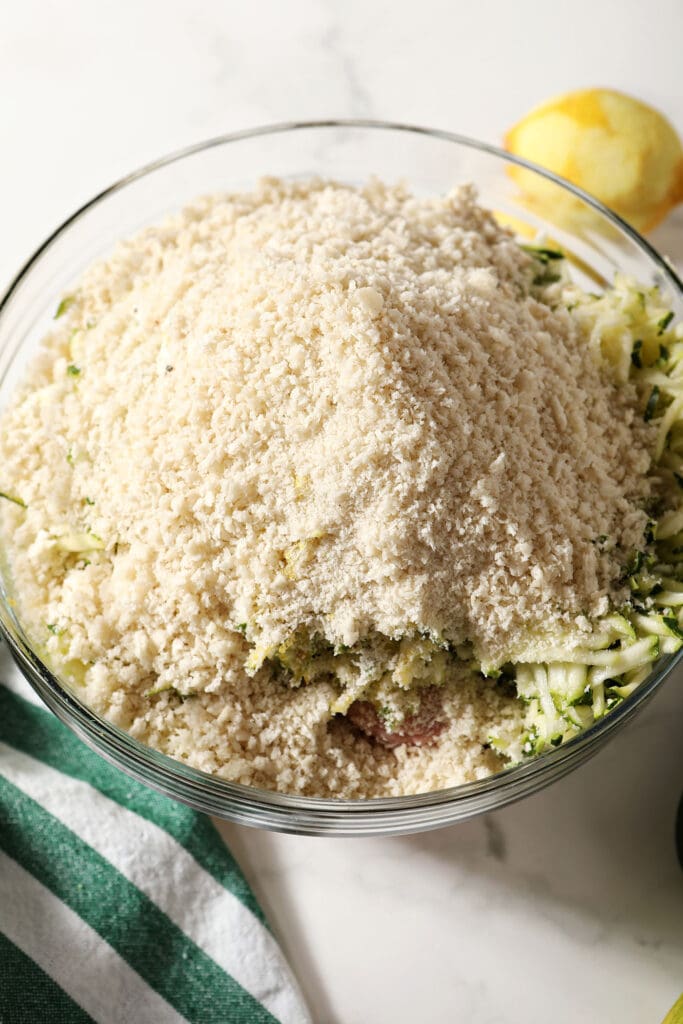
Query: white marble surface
{"points": [[568, 906]]}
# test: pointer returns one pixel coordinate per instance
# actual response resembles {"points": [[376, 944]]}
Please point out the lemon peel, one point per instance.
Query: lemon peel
{"points": [[675, 1014], [613, 146]]}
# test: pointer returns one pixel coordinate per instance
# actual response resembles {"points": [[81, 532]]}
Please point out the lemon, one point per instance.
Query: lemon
{"points": [[675, 1014], [620, 150]]}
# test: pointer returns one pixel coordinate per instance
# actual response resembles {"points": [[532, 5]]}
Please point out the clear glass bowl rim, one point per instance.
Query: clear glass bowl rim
{"points": [[299, 814]]}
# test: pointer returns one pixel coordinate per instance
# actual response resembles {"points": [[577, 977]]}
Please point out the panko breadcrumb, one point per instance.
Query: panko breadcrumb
{"points": [[317, 407]]}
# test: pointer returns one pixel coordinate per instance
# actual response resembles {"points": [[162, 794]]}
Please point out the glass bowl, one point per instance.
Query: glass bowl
{"points": [[598, 244]]}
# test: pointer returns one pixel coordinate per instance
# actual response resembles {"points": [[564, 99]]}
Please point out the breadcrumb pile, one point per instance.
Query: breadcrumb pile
{"points": [[314, 407]]}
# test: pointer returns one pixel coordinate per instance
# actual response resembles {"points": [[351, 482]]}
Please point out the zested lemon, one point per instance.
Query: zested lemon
{"points": [[675, 1014], [620, 150]]}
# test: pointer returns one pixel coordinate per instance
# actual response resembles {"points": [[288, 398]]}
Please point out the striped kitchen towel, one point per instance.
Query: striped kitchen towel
{"points": [[118, 905]]}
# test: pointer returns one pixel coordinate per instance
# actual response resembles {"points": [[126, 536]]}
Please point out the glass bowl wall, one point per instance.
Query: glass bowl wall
{"points": [[599, 244]]}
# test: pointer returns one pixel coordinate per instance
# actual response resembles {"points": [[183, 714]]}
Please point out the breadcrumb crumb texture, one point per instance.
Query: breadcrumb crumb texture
{"points": [[324, 407]]}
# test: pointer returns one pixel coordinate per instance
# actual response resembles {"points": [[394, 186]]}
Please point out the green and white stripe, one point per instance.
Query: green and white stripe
{"points": [[99, 984], [117, 904]]}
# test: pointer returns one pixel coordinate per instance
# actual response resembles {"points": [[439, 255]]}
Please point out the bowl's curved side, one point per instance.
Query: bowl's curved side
{"points": [[311, 816]]}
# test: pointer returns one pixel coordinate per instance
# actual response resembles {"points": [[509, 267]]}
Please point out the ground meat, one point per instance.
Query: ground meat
{"points": [[419, 730]]}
